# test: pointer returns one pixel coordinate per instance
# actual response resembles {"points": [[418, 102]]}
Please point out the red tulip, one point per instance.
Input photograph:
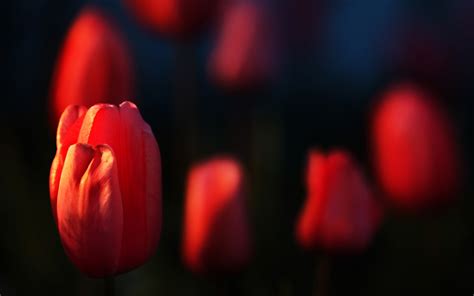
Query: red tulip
{"points": [[340, 213], [244, 54], [94, 66], [415, 151], [105, 188], [216, 232], [177, 18]]}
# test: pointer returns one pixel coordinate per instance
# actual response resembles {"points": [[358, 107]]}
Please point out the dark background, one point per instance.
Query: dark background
{"points": [[332, 67]]}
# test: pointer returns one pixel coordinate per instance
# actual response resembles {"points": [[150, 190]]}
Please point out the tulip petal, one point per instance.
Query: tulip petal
{"points": [[227, 243], [68, 119], [337, 216], [340, 213], [175, 18], [153, 188], [216, 234], [308, 226], [90, 217], [244, 54], [194, 215], [338, 221], [415, 151], [94, 65], [137, 155], [131, 157], [68, 130]]}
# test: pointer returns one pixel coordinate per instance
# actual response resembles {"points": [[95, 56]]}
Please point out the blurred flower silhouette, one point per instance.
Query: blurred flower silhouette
{"points": [[340, 213], [415, 151], [216, 231], [244, 55], [105, 187], [180, 19], [94, 66]]}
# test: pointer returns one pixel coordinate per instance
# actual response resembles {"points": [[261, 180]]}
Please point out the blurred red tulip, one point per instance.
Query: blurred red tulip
{"points": [[415, 152], [94, 66], [244, 55], [216, 232], [176, 18], [105, 188], [340, 213]]}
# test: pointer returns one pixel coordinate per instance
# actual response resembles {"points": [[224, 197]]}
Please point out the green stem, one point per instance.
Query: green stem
{"points": [[185, 104]]}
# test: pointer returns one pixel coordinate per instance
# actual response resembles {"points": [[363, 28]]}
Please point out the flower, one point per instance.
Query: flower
{"points": [[179, 19], [216, 232], [244, 55], [94, 65], [415, 152], [340, 213], [105, 188]]}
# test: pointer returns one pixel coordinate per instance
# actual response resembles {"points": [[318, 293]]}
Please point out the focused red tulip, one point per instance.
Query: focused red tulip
{"points": [[176, 18], [415, 151], [94, 65], [244, 56], [340, 213], [105, 188], [216, 232]]}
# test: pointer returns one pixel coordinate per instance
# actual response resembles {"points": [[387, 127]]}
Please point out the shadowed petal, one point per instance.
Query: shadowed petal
{"points": [[90, 209], [153, 188], [66, 134]]}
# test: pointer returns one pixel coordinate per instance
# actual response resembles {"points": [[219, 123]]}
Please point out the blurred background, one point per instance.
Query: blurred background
{"points": [[335, 57]]}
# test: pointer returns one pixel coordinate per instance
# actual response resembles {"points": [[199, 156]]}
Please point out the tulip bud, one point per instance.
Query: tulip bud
{"points": [[244, 54], [216, 232], [415, 151], [94, 65], [176, 18], [340, 213], [105, 188]]}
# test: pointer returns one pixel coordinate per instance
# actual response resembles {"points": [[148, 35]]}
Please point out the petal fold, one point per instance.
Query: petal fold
{"points": [[68, 130], [90, 215]]}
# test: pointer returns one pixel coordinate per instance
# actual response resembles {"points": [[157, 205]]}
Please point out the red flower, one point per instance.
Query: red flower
{"points": [[415, 149], [244, 54], [177, 18], [216, 232], [105, 187], [340, 213], [94, 65]]}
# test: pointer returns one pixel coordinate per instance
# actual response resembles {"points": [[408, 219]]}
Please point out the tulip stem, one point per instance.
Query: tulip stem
{"points": [[109, 286], [185, 100], [322, 276]]}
